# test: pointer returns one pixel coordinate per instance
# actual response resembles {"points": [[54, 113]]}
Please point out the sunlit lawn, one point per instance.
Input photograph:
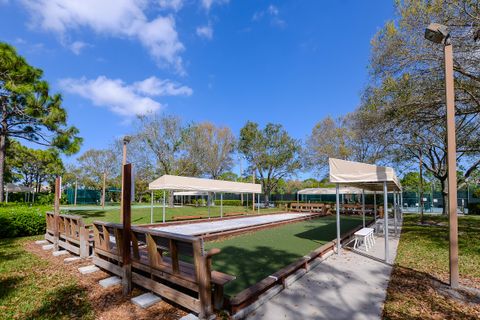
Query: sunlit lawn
{"points": [[421, 267], [141, 215], [29, 289]]}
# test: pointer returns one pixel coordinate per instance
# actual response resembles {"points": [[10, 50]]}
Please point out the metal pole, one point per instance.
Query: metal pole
{"points": [[452, 166], [221, 205], [164, 204], [103, 190], [395, 202], [363, 206], [385, 218], [258, 203], [151, 207], [253, 194], [75, 195], [338, 218]]}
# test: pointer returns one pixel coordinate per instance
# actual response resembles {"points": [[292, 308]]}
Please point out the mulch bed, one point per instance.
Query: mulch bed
{"points": [[109, 303]]}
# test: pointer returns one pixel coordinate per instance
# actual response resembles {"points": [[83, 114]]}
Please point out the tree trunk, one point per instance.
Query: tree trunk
{"points": [[170, 199], [421, 187], [267, 199], [3, 147], [444, 196]]}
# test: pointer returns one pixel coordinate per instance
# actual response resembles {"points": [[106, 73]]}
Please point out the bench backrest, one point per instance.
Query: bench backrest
{"points": [[70, 226]]}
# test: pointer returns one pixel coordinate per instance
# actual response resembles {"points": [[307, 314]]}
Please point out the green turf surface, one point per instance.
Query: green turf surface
{"points": [[141, 215], [254, 256]]}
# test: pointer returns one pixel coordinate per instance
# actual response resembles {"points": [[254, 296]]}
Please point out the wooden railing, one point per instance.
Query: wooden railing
{"points": [[323, 209], [73, 234], [171, 265]]}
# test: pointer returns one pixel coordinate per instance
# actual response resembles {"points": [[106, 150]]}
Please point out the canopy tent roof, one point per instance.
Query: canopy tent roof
{"points": [[10, 187], [363, 175], [320, 191], [190, 193], [169, 182]]}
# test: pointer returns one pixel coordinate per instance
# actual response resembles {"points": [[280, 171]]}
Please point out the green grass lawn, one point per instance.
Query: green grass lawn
{"points": [[254, 256], [29, 290], [421, 267], [141, 215]]}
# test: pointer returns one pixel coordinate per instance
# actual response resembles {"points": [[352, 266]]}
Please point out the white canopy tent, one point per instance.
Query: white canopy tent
{"points": [[13, 188], [189, 184], [183, 194], [368, 177]]}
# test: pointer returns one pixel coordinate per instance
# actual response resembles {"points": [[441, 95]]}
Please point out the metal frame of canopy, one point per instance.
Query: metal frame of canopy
{"points": [[13, 188], [180, 183], [367, 177]]}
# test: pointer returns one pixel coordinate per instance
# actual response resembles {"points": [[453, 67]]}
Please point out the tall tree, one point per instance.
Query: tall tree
{"points": [[211, 147], [271, 152], [408, 91], [28, 110]]}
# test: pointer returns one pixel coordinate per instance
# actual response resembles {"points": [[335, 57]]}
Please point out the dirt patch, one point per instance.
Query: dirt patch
{"points": [[109, 303]]}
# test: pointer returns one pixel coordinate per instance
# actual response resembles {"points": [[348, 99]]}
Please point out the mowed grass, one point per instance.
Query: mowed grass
{"points": [[141, 215], [254, 256], [29, 290], [421, 271]]}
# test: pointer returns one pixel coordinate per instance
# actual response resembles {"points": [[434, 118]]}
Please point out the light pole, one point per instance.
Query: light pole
{"points": [[438, 33]]}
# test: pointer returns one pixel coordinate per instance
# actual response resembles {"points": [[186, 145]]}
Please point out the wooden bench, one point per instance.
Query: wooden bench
{"points": [[74, 235], [172, 265], [179, 218]]}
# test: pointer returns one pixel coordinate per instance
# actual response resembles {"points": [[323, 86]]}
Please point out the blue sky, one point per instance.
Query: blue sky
{"points": [[225, 61]]}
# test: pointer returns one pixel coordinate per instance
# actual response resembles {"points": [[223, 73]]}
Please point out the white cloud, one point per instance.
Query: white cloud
{"points": [[174, 5], [77, 47], [121, 98], [119, 18], [205, 32], [207, 4], [273, 14]]}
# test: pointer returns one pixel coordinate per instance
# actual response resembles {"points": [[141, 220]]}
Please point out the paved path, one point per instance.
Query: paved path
{"points": [[345, 286], [223, 225]]}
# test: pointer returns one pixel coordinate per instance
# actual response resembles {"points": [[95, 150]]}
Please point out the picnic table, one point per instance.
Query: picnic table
{"points": [[364, 235]]}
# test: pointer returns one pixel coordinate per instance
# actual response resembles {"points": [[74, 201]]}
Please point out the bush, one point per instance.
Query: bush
{"points": [[229, 202], [20, 221], [474, 208]]}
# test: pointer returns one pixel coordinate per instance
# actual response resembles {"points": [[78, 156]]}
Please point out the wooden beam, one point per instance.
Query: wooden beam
{"points": [[127, 226]]}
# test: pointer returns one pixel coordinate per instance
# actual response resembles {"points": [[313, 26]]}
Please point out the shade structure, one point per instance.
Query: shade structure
{"points": [[324, 191], [190, 193], [363, 175], [170, 182], [10, 187], [368, 177]]}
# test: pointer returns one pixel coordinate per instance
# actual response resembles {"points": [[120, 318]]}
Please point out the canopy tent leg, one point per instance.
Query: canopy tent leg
{"points": [[258, 203], [164, 204], [6, 197], [401, 204], [385, 218], [208, 203], [221, 205], [151, 207], [375, 206], [395, 211], [298, 199], [363, 206], [338, 218]]}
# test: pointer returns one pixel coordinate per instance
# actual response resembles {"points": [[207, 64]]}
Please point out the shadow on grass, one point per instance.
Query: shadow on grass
{"points": [[416, 295], [68, 302], [328, 232], [89, 213], [8, 286]]}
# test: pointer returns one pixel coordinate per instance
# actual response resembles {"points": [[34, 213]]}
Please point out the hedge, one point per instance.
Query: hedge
{"points": [[21, 221], [229, 202]]}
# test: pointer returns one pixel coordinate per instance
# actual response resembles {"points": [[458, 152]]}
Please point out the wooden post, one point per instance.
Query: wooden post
{"points": [[56, 211], [127, 225], [103, 190]]}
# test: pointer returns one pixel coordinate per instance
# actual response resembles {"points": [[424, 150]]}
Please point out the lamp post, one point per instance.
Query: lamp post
{"points": [[438, 33]]}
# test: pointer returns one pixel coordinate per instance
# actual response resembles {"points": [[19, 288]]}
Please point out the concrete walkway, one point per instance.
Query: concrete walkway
{"points": [[345, 286]]}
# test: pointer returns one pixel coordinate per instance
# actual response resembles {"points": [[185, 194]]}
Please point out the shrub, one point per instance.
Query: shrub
{"points": [[20, 221], [474, 208], [229, 202]]}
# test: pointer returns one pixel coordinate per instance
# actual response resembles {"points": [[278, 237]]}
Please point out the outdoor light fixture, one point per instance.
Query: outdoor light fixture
{"points": [[126, 139], [438, 33]]}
